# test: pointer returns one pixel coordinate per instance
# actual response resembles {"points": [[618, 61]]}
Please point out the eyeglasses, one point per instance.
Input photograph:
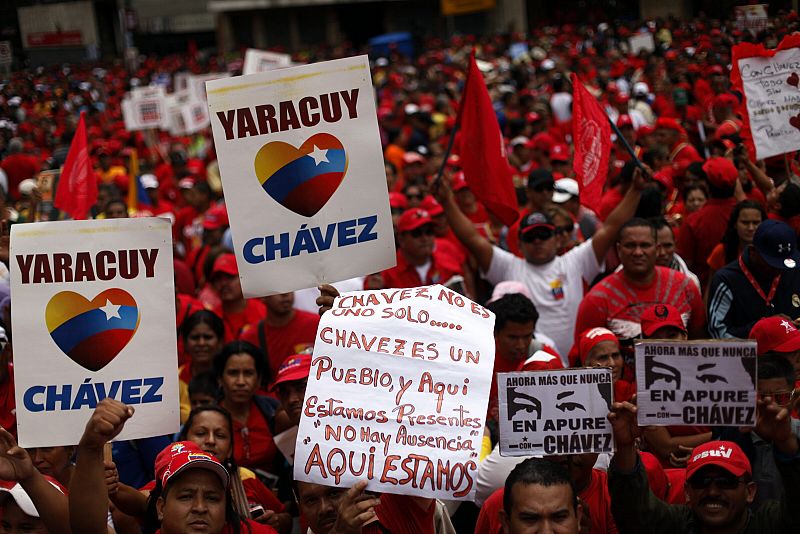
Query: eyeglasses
{"points": [[781, 398], [724, 482], [566, 229], [544, 187], [537, 234], [419, 232]]}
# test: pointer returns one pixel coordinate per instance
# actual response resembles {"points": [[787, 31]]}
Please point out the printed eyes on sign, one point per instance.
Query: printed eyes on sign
{"points": [[570, 406], [711, 379]]}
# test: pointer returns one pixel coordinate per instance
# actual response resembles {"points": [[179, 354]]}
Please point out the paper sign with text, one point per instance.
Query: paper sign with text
{"points": [[89, 322], [555, 412], [772, 93], [751, 17], [264, 60], [641, 41], [703, 383], [145, 108], [397, 393], [302, 168]]}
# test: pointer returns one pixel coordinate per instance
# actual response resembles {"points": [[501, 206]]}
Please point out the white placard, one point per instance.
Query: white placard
{"points": [[146, 108], [772, 92], [89, 322], [263, 61], [751, 17], [555, 412], [704, 383], [399, 382], [197, 83], [302, 167], [641, 41]]}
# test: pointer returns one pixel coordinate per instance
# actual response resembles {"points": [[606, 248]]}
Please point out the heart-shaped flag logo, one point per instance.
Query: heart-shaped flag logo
{"points": [[92, 333], [795, 121], [793, 79], [302, 179]]}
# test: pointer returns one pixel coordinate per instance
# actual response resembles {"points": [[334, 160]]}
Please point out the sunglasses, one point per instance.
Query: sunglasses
{"points": [[564, 229], [781, 398], [415, 195], [544, 187], [422, 231], [724, 482], [537, 234]]}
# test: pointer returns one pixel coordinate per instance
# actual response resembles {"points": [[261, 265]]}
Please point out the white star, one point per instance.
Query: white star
{"points": [[319, 155], [111, 310], [787, 325]]}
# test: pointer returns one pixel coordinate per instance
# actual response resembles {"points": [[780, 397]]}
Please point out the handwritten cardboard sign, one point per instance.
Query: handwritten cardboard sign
{"points": [[397, 393], [705, 383], [302, 168], [772, 93], [555, 412], [90, 322]]}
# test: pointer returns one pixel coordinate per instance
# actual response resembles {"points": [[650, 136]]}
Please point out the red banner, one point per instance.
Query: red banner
{"points": [[591, 135]]}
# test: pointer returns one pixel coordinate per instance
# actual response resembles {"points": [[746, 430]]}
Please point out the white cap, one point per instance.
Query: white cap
{"points": [[507, 287], [640, 88], [565, 189], [519, 140], [149, 181], [381, 62], [548, 64], [23, 500], [410, 109], [27, 186]]}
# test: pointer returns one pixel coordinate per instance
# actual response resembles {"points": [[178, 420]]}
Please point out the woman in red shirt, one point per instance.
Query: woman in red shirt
{"points": [[239, 369]]}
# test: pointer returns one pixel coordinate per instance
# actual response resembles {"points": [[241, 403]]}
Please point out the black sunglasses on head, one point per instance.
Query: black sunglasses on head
{"points": [[725, 482]]}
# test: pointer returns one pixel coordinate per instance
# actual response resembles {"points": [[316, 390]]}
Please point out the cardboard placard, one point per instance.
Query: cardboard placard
{"points": [[397, 393], [302, 168], [555, 412], [704, 383], [263, 61], [89, 322]]}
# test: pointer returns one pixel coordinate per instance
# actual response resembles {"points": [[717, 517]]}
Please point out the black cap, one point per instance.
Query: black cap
{"points": [[776, 243], [535, 220], [539, 177]]}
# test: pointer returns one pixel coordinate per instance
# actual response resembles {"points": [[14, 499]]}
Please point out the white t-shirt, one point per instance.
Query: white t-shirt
{"points": [[556, 287], [561, 104]]}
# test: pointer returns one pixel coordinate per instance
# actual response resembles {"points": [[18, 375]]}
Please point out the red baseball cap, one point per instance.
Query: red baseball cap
{"points": [[659, 316], [591, 338], [559, 152], [186, 183], [21, 497], [216, 217], [413, 219], [459, 182], [720, 171], [225, 263], [184, 455], [669, 123], [398, 200], [725, 100], [624, 120], [430, 205], [295, 367], [775, 334], [541, 361], [724, 454]]}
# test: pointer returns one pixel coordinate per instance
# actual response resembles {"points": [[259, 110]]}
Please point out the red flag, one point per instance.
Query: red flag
{"points": [[591, 135], [483, 152], [77, 186]]}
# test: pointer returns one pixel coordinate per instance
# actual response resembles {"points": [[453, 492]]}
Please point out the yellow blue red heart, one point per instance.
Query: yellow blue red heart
{"points": [[92, 333], [302, 179]]}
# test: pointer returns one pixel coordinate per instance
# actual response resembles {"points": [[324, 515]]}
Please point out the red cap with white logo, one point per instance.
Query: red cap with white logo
{"points": [[724, 454]]}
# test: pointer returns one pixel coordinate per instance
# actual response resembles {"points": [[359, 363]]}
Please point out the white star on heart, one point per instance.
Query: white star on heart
{"points": [[319, 155], [787, 325], [111, 310]]}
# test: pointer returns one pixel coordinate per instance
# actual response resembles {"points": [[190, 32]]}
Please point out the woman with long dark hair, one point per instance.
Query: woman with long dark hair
{"points": [[203, 333], [745, 218]]}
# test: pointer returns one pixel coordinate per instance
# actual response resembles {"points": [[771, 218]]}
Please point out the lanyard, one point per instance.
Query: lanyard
{"points": [[757, 287]]}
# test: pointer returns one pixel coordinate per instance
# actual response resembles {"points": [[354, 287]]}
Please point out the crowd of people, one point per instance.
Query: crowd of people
{"points": [[692, 239]]}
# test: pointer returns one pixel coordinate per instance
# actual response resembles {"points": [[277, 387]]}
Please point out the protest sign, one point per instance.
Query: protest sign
{"points": [[770, 82], [705, 383], [197, 83], [751, 17], [263, 61], [641, 41], [555, 412], [187, 114], [397, 393], [145, 108], [302, 167], [89, 322]]}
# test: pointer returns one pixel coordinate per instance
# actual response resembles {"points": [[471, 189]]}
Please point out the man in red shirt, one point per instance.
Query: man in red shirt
{"points": [[674, 138], [617, 303], [285, 330], [235, 310], [703, 229], [18, 167], [728, 123], [418, 264]]}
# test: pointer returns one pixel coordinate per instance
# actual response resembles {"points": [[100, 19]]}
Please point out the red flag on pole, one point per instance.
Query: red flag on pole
{"points": [[77, 186], [591, 135], [483, 152]]}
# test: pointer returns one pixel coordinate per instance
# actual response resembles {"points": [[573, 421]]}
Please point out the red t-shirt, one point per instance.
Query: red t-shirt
{"points": [[8, 403], [235, 322], [255, 528], [257, 493], [405, 275], [608, 202], [617, 304], [18, 167], [253, 446], [399, 514], [296, 336], [595, 495], [700, 233]]}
